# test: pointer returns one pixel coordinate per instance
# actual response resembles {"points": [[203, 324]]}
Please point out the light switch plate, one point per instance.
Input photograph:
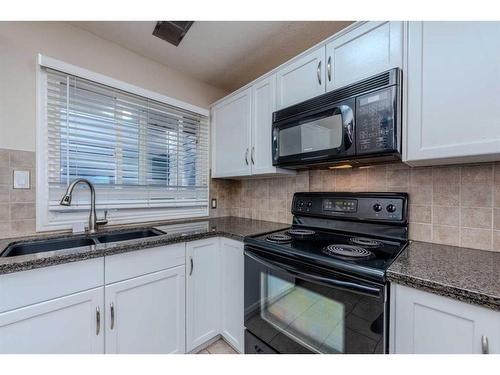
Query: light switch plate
{"points": [[22, 180]]}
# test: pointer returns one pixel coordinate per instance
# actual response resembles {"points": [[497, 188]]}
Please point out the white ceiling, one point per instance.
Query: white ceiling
{"points": [[225, 54]]}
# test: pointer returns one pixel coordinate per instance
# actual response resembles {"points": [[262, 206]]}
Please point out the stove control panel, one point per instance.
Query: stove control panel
{"points": [[359, 206]]}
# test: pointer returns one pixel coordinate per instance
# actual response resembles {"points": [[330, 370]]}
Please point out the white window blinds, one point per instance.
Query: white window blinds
{"points": [[138, 152]]}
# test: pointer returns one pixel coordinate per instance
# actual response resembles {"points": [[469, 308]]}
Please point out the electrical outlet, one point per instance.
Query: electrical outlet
{"points": [[214, 203]]}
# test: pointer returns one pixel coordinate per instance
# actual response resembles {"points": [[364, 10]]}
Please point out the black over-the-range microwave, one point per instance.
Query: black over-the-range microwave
{"points": [[358, 124]]}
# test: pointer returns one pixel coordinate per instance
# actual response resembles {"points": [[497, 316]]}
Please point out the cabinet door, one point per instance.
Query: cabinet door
{"points": [[301, 79], [231, 122], [367, 50], [264, 104], [67, 325], [203, 291], [145, 315], [426, 323], [233, 292], [453, 71]]}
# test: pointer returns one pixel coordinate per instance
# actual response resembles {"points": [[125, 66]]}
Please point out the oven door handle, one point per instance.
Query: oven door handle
{"points": [[346, 285]]}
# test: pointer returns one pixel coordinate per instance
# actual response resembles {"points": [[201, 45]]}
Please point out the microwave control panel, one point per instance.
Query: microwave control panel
{"points": [[375, 122]]}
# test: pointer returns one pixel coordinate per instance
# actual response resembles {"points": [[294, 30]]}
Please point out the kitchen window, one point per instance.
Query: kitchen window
{"points": [[148, 159]]}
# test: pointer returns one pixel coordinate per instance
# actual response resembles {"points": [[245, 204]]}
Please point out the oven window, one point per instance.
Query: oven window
{"points": [[315, 135], [312, 319]]}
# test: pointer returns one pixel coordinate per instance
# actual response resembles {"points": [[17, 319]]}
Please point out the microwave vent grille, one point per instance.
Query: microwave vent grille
{"points": [[378, 81]]}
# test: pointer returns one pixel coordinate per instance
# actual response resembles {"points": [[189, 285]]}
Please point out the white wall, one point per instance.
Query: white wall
{"points": [[21, 41]]}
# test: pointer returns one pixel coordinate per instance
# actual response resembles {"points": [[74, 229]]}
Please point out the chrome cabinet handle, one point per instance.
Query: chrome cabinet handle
{"points": [[97, 321], [484, 345], [329, 68], [246, 156], [252, 155], [112, 309], [318, 72], [192, 266]]}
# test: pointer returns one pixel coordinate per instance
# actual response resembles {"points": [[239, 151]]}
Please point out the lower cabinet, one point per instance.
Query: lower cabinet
{"points": [[203, 291], [233, 293], [214, 292], [168, 299], [146, 314], [425, 323], [67, 325]]}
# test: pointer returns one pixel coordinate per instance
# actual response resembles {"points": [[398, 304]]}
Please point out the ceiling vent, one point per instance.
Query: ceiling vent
{"points": [[172, 31]]}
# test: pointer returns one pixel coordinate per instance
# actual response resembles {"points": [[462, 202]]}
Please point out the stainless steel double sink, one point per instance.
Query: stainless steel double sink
{"points": [[41, 246]]}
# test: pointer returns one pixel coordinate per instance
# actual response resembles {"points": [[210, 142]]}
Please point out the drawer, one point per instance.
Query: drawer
{"points": [[25, 288], [137, 263]]}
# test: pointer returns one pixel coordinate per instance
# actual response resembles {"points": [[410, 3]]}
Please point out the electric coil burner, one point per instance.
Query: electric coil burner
{"points": [[327, 272], [279, 238], [367, 242], [347, 251], [300, 233]]}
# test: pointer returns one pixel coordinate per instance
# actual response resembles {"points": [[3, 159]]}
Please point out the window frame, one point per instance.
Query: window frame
{"points": [[47, 220]]}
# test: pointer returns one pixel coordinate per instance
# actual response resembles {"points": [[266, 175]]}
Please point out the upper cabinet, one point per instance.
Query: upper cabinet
{"points": [[367, 50], [453, 86], [301, 79], [241, 132], [231, 135]]}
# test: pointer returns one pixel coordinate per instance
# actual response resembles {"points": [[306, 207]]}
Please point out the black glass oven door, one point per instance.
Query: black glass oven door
{"points": [[295, 309], [315, 137]]}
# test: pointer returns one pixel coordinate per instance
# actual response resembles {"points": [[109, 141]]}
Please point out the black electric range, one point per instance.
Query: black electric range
{"points": [[319, 286]]}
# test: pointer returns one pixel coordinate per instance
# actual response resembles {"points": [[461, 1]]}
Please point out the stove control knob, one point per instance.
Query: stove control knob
{"points": [[309, 204], [391, 208], [300, 204], [377, 207]]}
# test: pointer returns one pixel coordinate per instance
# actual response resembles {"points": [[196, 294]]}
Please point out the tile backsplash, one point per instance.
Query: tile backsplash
{"points": [[17, 206], [455, 205]]}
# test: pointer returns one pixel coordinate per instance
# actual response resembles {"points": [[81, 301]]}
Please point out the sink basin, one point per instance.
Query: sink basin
{"points": [[41, 246], [130, 235]]}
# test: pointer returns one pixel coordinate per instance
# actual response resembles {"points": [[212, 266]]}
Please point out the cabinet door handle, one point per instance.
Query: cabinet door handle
{"points": [[484, 345], [318, 72], [192, 266], [112, 310], [246, 156], [252, 155], [97, 321], [329, 68]]}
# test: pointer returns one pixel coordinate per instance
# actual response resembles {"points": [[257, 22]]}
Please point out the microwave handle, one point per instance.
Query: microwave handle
{"points": [[286, 268]]}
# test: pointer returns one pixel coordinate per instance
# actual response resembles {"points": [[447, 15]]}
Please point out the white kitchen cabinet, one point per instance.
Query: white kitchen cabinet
{"points": [[233, 293], [425, 323], [203, 291], [364, 51], [263, 106], [301, 79], [242, 138], [146, 314], [453, 86], [70, 324], [231, 135]]}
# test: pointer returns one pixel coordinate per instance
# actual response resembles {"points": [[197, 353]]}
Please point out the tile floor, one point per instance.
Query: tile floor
{"points": [[218, 347]]}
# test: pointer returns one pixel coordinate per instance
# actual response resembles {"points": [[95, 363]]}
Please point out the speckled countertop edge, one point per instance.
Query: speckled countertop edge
{"points": [[229, 227], [468, 275]]}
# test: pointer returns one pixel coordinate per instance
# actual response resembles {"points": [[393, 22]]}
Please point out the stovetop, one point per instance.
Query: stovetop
{"points": [[356, 234], [349, 253]]}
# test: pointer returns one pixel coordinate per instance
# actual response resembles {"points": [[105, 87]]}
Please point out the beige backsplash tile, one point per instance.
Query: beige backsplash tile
{"points": [[444, 215], [476, 238], [446, 235], [476, 217]]}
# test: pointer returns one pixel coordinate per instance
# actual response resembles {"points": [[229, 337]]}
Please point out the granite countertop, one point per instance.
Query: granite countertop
{"points": [[468, 275], [181, 231]]}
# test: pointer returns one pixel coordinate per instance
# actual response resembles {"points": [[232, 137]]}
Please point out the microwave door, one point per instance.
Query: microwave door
{"points": [[321, 136]]}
